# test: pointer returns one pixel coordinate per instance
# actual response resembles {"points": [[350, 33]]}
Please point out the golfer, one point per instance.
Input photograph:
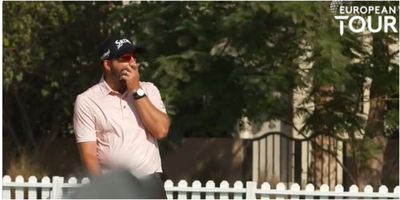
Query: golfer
{"points": [[118, 121]]}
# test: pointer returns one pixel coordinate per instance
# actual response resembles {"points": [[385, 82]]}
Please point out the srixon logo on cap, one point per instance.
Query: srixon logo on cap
{"points": [[119, 43]]}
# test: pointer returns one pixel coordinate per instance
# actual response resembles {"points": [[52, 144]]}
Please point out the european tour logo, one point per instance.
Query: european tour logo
{"points": [[374, 18]]}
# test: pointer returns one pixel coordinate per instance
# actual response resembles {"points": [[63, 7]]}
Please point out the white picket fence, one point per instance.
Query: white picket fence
{"points": [[56, 187]]}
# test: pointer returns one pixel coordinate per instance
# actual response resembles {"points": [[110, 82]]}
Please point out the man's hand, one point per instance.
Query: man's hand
{"points": [[130, 74]]}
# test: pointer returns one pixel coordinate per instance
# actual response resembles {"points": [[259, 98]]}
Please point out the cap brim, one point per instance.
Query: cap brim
{"points": [[129, 49], [139, 49]]}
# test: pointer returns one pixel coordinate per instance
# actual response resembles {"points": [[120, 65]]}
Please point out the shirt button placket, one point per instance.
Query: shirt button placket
{"points": [[124, 107], [122, 104]]}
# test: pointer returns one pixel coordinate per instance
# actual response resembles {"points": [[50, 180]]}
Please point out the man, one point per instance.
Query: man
{"points": [[118, 121]]}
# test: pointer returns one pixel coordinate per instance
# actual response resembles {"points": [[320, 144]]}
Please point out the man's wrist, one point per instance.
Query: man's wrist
{"points": [[138, 94], [133, 89]]}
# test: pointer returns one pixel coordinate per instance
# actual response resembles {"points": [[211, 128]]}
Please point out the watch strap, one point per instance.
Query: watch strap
{"points": [[136, 96]]}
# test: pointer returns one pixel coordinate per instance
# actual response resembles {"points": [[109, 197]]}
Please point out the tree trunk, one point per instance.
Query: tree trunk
{"points": [[324, 165], [25, 121], [374, 143], [324, 168]]}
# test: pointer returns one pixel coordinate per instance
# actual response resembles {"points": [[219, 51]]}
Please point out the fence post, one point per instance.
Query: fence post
{"points": [[182, 194], [56, 190], [32, 194], [324, 188], [339, 189], [265, 187], [368, 190], [19, 191], [70, 191], [295, 188], [397, 189], [383, 190], [224, 185], [196, 185], [45, 192], [251, 188], [281, 188], [353, 189], [310, 190], [237, 185], [6, 190], [168, 189], [210, 185]]}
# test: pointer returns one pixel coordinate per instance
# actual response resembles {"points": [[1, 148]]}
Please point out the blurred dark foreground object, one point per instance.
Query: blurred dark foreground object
{"points": [[121, 185]]}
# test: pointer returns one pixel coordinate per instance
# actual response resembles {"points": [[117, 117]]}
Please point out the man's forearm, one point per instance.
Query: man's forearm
{"points": [[155, 121], [88, 152], [92, 165]]}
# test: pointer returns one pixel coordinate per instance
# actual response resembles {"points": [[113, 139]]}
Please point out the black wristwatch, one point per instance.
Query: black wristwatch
{"points": [[139, 94]]}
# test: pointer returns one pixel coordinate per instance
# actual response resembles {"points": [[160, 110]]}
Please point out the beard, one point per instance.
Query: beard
{"points": [[115, 76]]}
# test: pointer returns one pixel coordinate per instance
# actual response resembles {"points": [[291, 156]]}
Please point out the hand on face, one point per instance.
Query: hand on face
{"points": [[130, 75]]}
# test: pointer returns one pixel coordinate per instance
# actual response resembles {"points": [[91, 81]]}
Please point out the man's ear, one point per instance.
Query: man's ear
{"points": [[106, 65]]}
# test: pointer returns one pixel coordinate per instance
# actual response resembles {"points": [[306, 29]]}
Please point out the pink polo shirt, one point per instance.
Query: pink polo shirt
{"points": [[111, 119]]}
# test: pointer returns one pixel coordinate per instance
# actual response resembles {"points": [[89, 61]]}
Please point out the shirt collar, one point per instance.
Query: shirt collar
{"points": [[105, 88]]}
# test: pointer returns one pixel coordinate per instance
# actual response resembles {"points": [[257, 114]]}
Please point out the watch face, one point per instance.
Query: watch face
{"points": [[140, 92]]}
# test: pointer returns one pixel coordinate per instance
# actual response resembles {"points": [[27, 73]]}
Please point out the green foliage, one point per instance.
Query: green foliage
{"points": [[214, 62], [49, 57]]}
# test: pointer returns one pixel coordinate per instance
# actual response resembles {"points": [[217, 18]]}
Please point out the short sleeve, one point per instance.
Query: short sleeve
{"points": [[155, 98], [84, 123]]}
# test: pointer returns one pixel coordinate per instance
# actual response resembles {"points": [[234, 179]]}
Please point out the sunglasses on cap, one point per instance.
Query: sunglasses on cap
{"points": [[126, 57]]}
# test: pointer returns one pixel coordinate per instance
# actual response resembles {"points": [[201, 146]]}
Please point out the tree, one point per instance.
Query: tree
{"points": [[381, 66], [214, 62], [373, 67], [49, 57], [218, 62]]}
